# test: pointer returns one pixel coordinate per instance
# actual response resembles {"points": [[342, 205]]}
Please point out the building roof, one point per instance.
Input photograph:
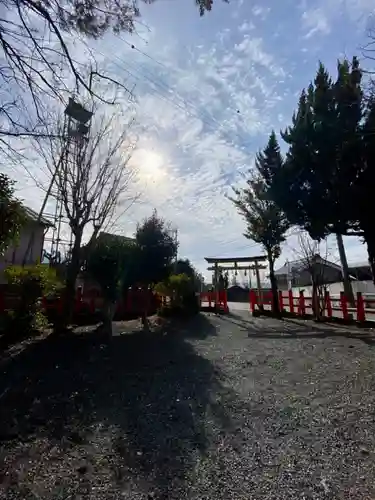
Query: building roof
{"points": [[109, 236], [34, 216], [296, 266], [357, 265]]}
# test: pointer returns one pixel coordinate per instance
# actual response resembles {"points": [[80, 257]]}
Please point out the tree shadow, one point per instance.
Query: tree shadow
{"points": [[150, 395], [289, 329]]}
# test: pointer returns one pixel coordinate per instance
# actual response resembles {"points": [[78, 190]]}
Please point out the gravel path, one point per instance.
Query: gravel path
{"points": [[226, 408]]}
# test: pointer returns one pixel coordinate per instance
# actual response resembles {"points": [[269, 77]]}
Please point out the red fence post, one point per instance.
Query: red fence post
{"points": [[301, 304], [252, 298], [328, 304], [225, 301], [344, 306], [361, 315], [281, 302], [44, 303], [79, 299], [291, 301]]}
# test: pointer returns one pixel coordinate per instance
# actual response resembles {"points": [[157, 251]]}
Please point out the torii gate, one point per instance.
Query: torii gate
{"points": [[231, 264]]}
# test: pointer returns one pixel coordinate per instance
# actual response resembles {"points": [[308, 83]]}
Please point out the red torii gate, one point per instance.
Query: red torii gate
{"points": [[231, 264]]}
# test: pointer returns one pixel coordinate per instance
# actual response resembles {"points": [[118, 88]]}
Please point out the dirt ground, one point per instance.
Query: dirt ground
{"points": [[220, 408]]}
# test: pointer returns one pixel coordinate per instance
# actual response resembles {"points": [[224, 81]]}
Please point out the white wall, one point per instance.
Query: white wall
{"points": [[15, 254], [366, 287]]}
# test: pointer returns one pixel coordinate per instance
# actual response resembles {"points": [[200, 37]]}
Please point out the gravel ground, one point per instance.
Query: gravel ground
{"points": [[224, 408]]}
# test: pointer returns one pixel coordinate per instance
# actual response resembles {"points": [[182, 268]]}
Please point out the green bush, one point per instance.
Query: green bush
{"points": [[180, 290], [30, 284]]}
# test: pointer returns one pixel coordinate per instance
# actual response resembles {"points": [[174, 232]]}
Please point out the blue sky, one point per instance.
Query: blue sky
{"points": [[209, 90]]}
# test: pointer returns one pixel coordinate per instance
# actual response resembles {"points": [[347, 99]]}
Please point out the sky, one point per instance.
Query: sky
{"points": [[207, 93]]}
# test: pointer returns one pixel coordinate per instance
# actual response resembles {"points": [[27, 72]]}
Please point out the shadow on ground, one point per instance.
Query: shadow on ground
{"points": [[289, 329], [150, 394]]}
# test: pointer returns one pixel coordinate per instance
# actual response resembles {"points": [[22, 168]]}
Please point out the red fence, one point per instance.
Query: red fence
{"points": [[363, 308], [215, 299], [133, 302], [329, 306]]}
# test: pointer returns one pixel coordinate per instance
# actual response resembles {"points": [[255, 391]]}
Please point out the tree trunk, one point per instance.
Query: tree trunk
{"points": [[275, 295], [315, 299], [144, 318], [345, 270], [70, 285], [109, 312], [370, 242]]}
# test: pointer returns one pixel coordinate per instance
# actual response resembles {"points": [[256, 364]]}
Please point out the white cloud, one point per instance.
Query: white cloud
{"points": [[315, 22], [260, 11], [319, 17]]}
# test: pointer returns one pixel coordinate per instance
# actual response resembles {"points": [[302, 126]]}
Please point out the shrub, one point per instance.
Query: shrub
{"points": [[30, 284], [183, 300]]}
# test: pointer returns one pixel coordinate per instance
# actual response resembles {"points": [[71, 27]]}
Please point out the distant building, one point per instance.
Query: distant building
{"points": [[237, 293], [298, 274], [34, 230], [102, 236]]}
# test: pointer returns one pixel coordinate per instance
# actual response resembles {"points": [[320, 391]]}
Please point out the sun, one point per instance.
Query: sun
{"points": [[150, 165]]}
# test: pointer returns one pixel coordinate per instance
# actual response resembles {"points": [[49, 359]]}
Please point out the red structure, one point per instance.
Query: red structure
{"points": [[331, 307], [217, 300], [133, 302]]}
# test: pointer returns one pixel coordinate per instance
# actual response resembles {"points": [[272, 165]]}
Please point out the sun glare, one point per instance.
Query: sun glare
{"points": [[150, 165]]}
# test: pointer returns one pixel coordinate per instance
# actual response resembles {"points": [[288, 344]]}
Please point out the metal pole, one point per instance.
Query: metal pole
{"points": [[40, 215], [348, 290]]}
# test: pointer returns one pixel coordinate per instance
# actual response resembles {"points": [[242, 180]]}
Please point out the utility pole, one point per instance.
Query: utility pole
{"points": [[259, 286], [348, 290]]}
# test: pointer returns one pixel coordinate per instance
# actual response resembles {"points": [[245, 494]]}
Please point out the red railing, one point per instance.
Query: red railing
{"points": [[363, 308], [133, 302], [215, 299]]}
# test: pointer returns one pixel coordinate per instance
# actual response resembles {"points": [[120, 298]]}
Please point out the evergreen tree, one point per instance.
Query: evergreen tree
{"points": [[157, 248], [314, 184], [363, 192], [265, 223]]}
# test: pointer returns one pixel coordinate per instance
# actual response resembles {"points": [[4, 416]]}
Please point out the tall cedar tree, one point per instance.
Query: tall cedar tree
{"points": [[365, 182], [265, 223], [314, 184]]}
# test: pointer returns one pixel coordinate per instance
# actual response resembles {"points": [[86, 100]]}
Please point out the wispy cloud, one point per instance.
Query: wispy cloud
{"points": [[315, 21]]}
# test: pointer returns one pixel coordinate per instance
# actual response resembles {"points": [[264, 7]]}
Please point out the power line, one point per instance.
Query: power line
{"points": [[165, 87], [163, 65]]}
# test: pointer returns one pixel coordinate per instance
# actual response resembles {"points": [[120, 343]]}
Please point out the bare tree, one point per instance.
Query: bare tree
{"points": [[36, 61], [315, 265], [92, 175], [36, 56]]}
